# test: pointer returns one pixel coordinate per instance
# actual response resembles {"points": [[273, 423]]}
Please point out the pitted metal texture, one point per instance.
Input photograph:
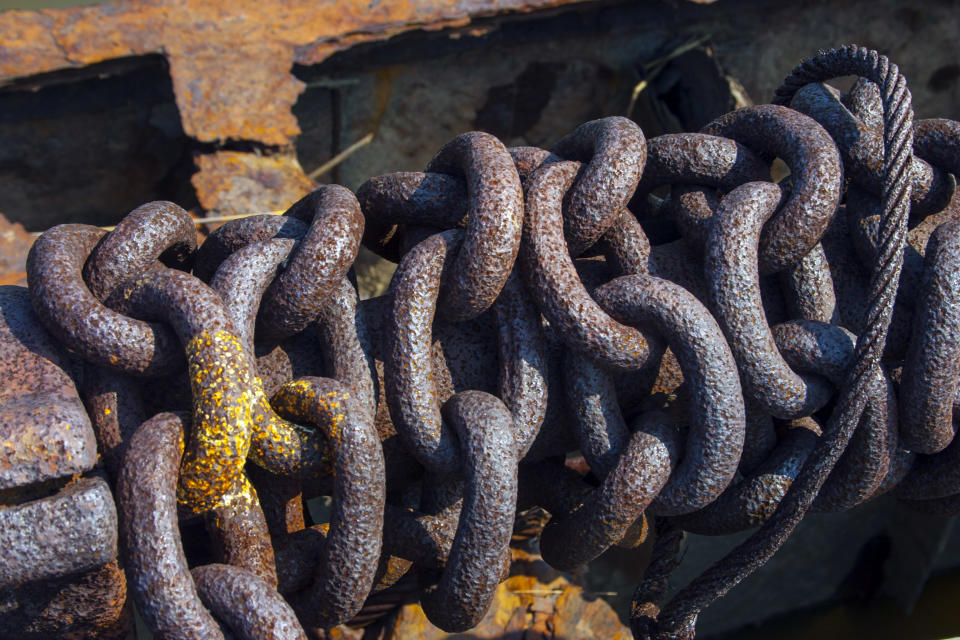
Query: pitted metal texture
{"points": [[555, 340]]}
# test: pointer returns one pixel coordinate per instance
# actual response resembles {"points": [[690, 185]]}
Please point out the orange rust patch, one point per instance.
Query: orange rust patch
{"points": [[230, 62], [229, 182]]}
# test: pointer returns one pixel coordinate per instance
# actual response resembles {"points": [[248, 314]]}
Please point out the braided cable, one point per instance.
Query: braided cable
{"points": [[681, 613], [652, 591]]}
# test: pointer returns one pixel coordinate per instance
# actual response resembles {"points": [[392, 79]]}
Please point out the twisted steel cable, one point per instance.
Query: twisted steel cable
{"points": [[652, 591], [679, 616]]}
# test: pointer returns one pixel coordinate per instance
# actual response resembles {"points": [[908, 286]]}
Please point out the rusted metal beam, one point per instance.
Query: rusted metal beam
{"points": [[230, 63]]}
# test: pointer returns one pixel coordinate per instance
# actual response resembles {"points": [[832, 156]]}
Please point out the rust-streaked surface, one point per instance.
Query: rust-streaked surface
{"points": [[231, 182], [230, 62]]}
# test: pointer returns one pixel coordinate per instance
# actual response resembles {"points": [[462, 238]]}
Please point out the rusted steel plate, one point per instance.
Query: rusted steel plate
{"points": [[230, 62], [230, 182]]}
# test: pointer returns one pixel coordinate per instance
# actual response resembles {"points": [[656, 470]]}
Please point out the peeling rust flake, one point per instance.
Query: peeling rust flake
{"points": [[230, 62]]}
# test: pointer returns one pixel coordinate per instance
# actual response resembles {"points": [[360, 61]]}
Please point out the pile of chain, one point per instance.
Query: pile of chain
{"points": [[735, 346]]}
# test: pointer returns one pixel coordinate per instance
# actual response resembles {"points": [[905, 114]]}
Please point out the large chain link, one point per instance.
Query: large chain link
{"points": [[708, 340]]}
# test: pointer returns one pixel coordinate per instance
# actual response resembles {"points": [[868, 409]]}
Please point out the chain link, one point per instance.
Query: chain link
{"points": [[718, 356]]}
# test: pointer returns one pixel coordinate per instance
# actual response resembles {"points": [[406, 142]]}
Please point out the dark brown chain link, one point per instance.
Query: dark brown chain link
{"points": [[530, 317]]}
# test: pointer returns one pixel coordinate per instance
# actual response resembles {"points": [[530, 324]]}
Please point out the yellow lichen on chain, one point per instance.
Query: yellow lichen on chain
{"points": [[232, 419], [325, 410], [224, 393], [285, 447]]}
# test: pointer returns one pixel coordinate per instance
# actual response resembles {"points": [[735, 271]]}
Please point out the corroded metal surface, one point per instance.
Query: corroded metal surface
{"points": [[235, 82], [347, 564], [249, 606], [155, 563], [44, 429], [225, 91], [81, 516], [540, 370], [233, 182], [92, 604]]}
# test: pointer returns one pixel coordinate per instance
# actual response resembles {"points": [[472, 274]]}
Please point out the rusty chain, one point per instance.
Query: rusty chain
{"points": [[726, 352]]}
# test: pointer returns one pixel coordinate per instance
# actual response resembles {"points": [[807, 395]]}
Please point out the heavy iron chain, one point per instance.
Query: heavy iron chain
{"points": [[726, 357]]}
